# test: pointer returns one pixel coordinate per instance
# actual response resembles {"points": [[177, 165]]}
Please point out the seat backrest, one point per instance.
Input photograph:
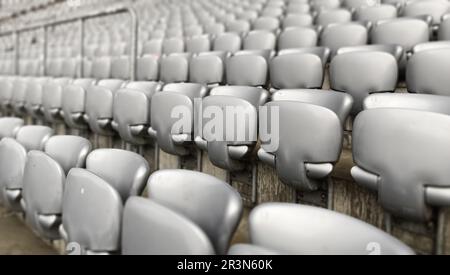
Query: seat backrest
{"points": [[152, 229], [444, 29], [12, 158], [198, 44], [326, 4], [424, 102], [175, 98], [228, 42], [97, 230], [174, 68], [215, 29], [19, 96], [314, 136], [276, 226], [207, 69], [436, 9], [260, 40], [363, 73], [193, 30], [426, 72], [247, 70], [101, 68], [376, 13], [327, 17], [120, 67], [354, 4], [74, 103], [190, 193], [227, 148], [153, 47], [34, 97], [70, 67], [126, 171], [340, 103], [52, 97], [402, 178], [322, 52], [6, 92], [297, 37], [405, 32], [266, 23], [336, 36], [69, 151], [431, 46], [298, 20], [173, 45], [99, 105], [238, 26], [396, 51], [10, 126], [34, 137], [148, 68], [133, 122], [44, 178], [288, 71]]}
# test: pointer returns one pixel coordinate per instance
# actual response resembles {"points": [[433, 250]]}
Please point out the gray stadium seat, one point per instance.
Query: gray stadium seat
{"points": [[333, 16], [230, 154], [322, 52], [297, 71], [238, 26], [426, 72], [405, 186], [126, 171], [298, 20], [13, 154], [228, 42], [173, 45], [10, 126], [444, 29], [247, 70], [424, 102], [205, 70], [304, 165], [44, 178], [336, 36], [436, 9], [434, 45], [74, 103], [297, 37], [363, 73], [84, 190], [188, 192], [405, 32], [275, 229], [266, 23], [148, 68], [396, 51], [52, 99], [133, 123], [198, 44], [260, 40], [152, 229]]}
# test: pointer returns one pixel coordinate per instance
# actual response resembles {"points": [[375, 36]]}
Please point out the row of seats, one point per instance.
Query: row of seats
{"points": [[53, 180], [373, 14], [358, 71], [409, 183], [104, 108], [335, 36]]}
